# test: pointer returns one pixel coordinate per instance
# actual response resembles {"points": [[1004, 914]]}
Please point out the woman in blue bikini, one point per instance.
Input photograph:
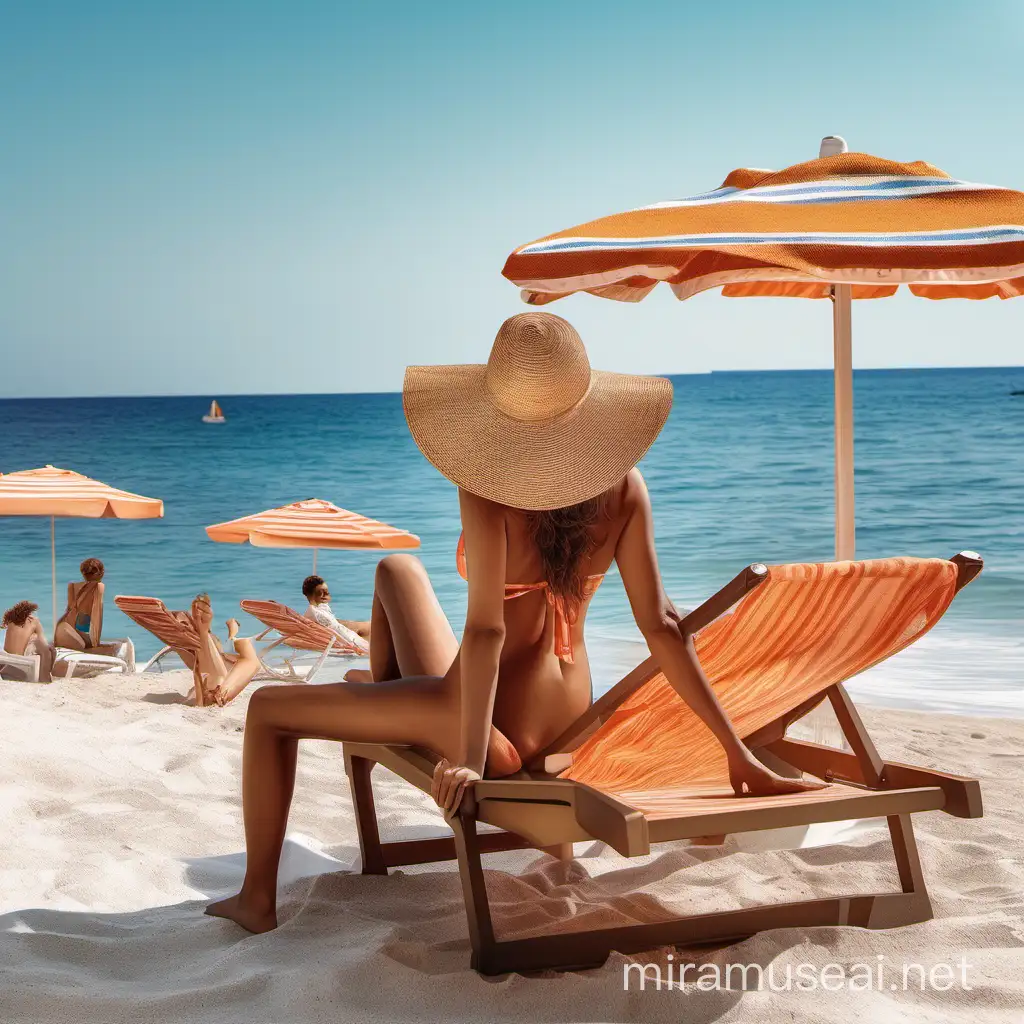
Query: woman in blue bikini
{"points": [[81, 625]]}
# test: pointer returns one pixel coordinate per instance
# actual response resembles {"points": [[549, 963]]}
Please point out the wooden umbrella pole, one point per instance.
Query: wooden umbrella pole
{"points": [[53, 570], [843, 372], [842, 345]]}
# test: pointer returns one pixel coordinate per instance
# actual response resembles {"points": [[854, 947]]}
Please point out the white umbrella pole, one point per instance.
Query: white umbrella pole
{"points": [[314, 561], [53, 569], [842, 341]]}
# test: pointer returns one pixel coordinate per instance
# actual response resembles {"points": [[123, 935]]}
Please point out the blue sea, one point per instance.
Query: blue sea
{"points": [[741, 473]]}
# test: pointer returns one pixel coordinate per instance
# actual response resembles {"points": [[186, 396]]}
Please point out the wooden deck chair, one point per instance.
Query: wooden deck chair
{"points": [[178, 634], [641, 768], [300, 634]]}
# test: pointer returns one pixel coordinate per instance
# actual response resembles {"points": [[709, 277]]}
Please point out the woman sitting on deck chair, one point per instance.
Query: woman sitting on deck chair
{"points": [[24, 636], [81, 625], [80, 628], [543, 451]]}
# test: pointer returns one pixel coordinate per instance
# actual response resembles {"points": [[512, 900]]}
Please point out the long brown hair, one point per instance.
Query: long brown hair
{"points": [[564, 537]]}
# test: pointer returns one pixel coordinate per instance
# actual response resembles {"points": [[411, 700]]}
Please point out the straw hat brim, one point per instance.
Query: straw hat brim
{"points": [[538, 464]]}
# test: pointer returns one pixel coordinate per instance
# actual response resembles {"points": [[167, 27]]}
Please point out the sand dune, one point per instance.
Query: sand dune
{"points": [[120, 818]]}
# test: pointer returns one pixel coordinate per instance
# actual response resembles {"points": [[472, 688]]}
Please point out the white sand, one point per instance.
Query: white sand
{"points": [[120, 815]]}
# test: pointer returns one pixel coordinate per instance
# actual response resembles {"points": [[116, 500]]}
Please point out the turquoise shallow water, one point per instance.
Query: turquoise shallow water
{"points": [[741, 473]]}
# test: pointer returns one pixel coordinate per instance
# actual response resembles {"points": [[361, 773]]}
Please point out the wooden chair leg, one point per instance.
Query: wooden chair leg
{"points": [[912, 904], [560, 851], [371, 854], [904, 845], [474, 892]]}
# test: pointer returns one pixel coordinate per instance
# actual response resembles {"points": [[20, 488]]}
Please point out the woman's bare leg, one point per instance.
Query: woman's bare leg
{"points": [[361, 628], [241, 672], [409, 634], [422, 711], [411, 637], [210, 668], [65, 635], [45, 653]]}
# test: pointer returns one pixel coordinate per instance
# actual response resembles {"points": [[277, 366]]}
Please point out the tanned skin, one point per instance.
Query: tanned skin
{"points": [[491, 703]]}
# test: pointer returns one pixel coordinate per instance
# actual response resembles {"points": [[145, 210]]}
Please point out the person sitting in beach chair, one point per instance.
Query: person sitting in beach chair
{"points": [[543, 451], [80, 628], [318, 594], [24, 637], [81, 625]]}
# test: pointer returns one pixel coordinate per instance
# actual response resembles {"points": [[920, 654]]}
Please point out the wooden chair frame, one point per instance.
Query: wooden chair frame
{"points": [[537, 810]]}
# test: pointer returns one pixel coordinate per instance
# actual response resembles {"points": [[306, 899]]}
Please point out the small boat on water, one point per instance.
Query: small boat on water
{"points": [[215, 415]]}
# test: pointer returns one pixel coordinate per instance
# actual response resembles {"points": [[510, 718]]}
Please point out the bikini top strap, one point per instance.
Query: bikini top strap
{"points": [[563, 620]]}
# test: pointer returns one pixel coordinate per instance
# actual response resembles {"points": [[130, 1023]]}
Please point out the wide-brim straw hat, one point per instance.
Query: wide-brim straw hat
{"points": [[536, 427]]}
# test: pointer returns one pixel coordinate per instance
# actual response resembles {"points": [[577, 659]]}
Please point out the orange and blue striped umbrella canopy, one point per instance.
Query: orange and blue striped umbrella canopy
{"points": [[311, 524], [61, 492], [850, 219]]}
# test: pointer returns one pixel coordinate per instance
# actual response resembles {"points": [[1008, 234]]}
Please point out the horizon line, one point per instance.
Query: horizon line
{"points": [[325, 394]]}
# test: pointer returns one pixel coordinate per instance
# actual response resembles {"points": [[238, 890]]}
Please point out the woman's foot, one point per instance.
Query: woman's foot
{"points": [[253, 919], [358, 675], [202, 613], [227, 691]]}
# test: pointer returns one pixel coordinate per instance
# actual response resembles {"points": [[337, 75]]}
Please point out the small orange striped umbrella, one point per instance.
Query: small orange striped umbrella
{"points": [[62, 492], [313, 523]]}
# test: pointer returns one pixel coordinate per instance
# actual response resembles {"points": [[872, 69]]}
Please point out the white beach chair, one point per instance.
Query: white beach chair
{"points": [[86, 663], [75, 663], [25, 666]]}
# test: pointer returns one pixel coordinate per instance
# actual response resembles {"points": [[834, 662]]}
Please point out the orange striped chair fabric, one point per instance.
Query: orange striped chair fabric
{"points": [[175, 629], [807, 628], [298, 632]]}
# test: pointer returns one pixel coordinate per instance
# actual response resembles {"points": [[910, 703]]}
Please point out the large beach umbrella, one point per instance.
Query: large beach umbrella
{"points": [[61, 493], [845, 226], [315, 524]]}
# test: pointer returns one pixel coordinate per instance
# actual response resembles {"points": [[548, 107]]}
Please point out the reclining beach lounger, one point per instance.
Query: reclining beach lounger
{"points": [[173, 629], [178, 634], [84, 663], [641, 768], [300, 634], [26, 666]]}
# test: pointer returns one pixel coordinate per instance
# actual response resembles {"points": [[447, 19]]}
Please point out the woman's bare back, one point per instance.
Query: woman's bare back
{"points": [[538, 694], [80, 627]]}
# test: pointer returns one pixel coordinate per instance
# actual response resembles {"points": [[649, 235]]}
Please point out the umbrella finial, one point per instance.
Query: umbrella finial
{"points": [[832, 145]]}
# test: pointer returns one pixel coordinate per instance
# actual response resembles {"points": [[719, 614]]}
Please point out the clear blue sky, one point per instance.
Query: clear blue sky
{"points": [[216, 197]]}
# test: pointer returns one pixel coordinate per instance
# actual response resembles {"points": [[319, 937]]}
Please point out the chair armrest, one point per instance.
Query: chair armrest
{"points": [[963, 794]]}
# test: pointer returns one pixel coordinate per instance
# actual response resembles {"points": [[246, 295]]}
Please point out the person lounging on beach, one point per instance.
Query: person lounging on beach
{"points": [[543, 451], [81, 625], [80, 628], [218, 679], [318, 594], [24, 636]]}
